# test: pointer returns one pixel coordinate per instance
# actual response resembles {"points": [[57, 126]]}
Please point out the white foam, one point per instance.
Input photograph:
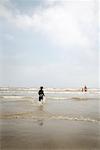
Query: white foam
{"points": [[12, 97]]}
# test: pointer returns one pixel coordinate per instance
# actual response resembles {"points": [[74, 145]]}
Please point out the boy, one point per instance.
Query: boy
{"points": [[41, 93]]}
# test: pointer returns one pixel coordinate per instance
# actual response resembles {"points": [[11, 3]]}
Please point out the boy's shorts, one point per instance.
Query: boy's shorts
{"points": [[40, 98]]}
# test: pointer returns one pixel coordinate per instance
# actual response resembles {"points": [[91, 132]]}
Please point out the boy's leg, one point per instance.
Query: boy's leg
{"points": [[39, 99]]}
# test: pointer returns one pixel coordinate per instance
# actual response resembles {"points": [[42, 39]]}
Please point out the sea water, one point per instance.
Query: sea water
{"points": [[61, 104]]}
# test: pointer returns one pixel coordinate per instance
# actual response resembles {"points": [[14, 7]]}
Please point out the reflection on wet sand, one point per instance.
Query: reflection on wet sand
{"points": [[40, 122], [40, 110]]}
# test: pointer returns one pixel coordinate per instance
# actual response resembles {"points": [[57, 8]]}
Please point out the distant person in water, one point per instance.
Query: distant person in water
{"points": [[85, 89], [82, 89], [41, 93]]}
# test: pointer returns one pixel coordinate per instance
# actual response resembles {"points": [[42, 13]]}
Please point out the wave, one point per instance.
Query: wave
{"points": [[57, 98], [12, 97], [85, 98], [46, 89], [15, 98], [48, 98], [31, 115]]}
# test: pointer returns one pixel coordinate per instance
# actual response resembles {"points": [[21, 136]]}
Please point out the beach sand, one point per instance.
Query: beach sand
{"points": [[56, 125], [30, 134]]}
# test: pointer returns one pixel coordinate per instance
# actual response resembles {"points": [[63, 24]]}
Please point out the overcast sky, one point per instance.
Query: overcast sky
{"points": [[53, 43]]}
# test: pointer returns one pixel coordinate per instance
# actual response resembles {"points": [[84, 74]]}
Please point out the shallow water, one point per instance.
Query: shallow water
{"points": [[60, 104], [68, 120]]}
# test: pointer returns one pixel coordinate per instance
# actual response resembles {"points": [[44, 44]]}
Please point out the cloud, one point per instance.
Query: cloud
{"points": [[4, 12], [72, 28], [65, 23]]}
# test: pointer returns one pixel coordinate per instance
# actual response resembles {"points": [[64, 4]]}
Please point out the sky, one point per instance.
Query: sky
{"points": [[53, 43]]}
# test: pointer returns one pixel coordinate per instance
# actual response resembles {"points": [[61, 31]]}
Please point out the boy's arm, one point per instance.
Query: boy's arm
{"points": [[38, 92], [43, 93]]}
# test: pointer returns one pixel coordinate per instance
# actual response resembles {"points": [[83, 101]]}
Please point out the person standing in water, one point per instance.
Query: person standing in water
{"points": [[41, 93], [82, 89], [85, 88]]}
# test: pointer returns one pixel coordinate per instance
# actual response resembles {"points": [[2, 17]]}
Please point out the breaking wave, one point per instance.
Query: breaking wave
{"points": [[48, 98], [23, 115]]}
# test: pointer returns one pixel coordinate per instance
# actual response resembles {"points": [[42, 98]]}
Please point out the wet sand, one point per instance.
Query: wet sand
{"points": [[30, 134]]}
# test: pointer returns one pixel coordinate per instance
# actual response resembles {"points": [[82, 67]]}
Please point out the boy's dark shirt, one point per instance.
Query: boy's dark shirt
{"points": [[41, 93]]}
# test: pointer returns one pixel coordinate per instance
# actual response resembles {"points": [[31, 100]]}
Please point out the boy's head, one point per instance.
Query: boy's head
{"points": [[41, 87]]}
